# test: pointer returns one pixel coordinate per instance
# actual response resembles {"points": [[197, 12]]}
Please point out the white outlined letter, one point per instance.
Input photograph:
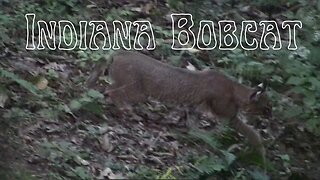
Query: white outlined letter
{"points": [[250, 26], [229, 27], [183, 29], [83, 35], [121, 33], [144, 28], [68, 32], [44, 33], [268, 28], [30, 45], [292, 32], [97, 29], [209, 25]]}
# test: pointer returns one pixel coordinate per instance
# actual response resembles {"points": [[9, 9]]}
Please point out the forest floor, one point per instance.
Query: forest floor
{"points": [[67, 134]]}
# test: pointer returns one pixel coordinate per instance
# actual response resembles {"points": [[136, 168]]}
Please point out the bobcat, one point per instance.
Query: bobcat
{"points": [[136, 77]]}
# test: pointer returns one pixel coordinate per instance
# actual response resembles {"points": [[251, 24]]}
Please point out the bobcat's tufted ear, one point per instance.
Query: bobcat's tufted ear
{"points": [[259, 90], [262, 86]]}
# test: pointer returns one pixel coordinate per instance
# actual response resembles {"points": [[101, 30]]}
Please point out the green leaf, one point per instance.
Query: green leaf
{"points": [[82, 173], [93, 107], [294, 80], [292, 112], [210, 165], [167, 175], [206, 137], [95, 94], [277, 78], [299, 90], [310, 99], [285, 157], [230, 158], [257, 175], [75, 105], [315, 82], [313, 125]]}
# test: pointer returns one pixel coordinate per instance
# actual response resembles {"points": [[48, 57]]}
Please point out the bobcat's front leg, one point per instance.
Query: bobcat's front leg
{"points": [[252, 135]]}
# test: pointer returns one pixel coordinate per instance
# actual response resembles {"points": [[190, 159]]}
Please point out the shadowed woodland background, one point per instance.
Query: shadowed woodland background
{"points": [[52, 127]]}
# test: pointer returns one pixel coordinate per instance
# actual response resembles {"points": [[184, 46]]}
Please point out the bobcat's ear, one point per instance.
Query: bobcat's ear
{"points": [[262, 87], [259, 90]]}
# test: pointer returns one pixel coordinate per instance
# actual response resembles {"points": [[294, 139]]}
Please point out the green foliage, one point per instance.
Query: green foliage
{"points": [[175, 4], [121, 14], [167, 175], [294, 73], [16, 174], [207, 166], [210, 165], [30, 87], [88, 102], [257, 175], [64, 156], [144, 172], [303, 79], [285, 160], [208, 138], [23, 83], [17, 114], [6, 23]]}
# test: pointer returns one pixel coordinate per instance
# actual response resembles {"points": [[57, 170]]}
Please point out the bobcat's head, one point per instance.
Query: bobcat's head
{"points": [[259, 103]]}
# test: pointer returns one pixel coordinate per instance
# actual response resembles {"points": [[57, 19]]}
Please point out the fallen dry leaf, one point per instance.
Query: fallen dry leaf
{"points": [[106, 144], [3, 98], [107, 173], [42, 83], [82, 161]]}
